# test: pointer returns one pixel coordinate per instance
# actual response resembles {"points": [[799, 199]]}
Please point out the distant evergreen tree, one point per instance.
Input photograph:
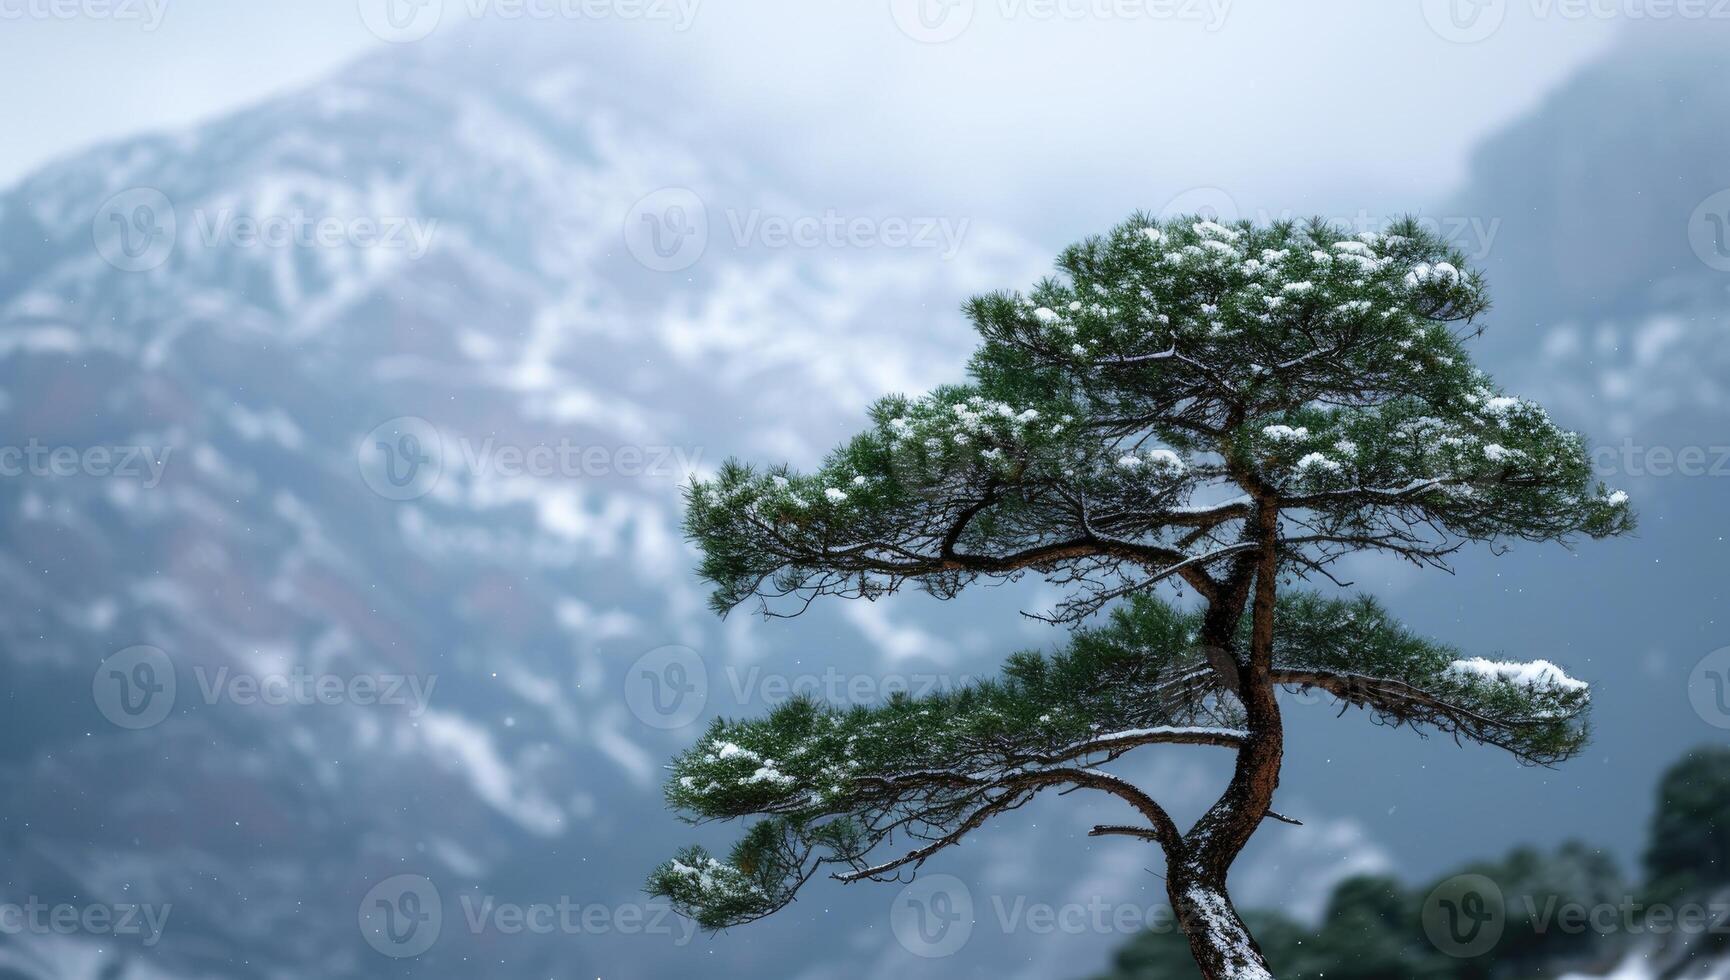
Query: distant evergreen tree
{"points": [[1535, 941], [1367, 932], [1372, 928], [1689, 853]]}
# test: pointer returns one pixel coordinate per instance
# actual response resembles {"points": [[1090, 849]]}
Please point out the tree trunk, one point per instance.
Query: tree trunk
{"points": [[1218, 939], [1222, 946]]}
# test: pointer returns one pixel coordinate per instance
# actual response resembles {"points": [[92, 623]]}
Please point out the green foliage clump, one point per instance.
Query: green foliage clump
{"points": [[1170, 360], [1690, 840], [836, 782], [1356, 651]]}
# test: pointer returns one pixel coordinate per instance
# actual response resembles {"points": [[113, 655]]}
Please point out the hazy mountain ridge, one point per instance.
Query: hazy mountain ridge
{"points": [[1595, 187], [252, 373], [1609, 276]]}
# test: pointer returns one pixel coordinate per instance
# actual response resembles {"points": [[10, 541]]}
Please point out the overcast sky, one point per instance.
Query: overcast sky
{"points": [[1277, 101]]}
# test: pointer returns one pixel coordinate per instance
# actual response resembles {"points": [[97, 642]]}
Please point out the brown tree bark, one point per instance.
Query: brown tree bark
{"points": [[1195, 883]]}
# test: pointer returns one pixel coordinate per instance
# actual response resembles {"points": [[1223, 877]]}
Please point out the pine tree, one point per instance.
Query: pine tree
{"points": [[1688, 854], [1228, 410]]}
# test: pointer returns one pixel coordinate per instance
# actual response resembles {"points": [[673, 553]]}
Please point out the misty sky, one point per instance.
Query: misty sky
{"points": [[1025, 112]]}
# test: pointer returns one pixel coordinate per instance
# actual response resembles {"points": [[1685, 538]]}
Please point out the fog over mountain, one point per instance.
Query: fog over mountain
{"points": [[525, 255], [1612, 254]]}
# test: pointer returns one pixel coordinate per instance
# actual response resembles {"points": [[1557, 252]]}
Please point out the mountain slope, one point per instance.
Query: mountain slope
{"points": [[478, 278]]}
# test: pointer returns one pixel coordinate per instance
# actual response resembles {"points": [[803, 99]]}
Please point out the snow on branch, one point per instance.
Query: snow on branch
{"points": [[1478, 466], [1195, 320], [951, 488], [1358, 654], [1535, 674]]}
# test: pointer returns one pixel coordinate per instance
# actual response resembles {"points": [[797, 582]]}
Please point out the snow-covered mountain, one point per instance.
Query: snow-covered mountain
{"points": [[459, 235]]}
